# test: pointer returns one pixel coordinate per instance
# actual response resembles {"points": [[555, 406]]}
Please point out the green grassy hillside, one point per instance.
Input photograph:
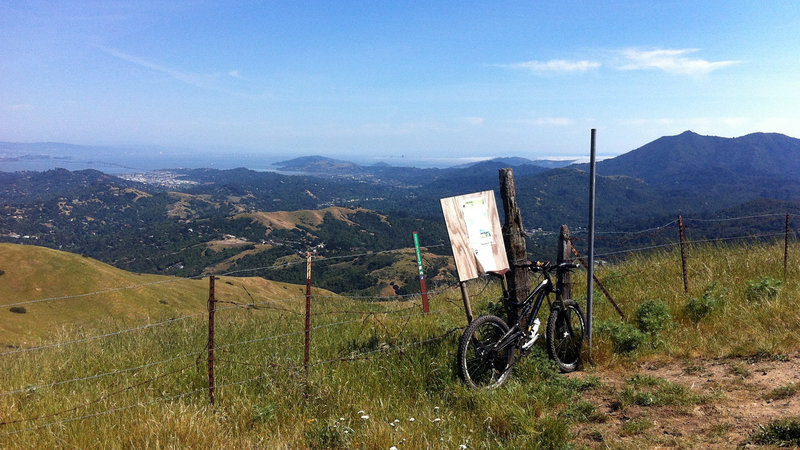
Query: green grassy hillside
{"points": [[703, 369], [123, 298]]}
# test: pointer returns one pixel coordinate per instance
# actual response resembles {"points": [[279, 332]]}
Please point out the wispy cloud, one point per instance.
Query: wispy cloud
{"points": [[473, 120], [203, 81], [675, 61], [687, 122], [545, 121], [553, 66], [20, 107]]}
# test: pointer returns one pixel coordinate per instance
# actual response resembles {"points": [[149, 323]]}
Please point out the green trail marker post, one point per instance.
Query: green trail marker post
{"points": [[422, 285]]}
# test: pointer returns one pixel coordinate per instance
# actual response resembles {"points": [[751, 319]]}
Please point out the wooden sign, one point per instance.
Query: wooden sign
{"points": [[475, 234]]}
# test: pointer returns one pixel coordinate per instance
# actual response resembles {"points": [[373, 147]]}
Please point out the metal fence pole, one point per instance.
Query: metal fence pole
{"points": [[590, 266]]}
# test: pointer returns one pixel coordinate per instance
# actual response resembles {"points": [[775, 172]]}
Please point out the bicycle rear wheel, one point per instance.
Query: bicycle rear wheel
{"points": [[565, 332], [479, 364]]}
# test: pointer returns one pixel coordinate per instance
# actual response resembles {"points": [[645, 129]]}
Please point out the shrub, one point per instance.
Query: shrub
{"points": [[765, 288], [783, 392], [644, 390], [653, 316], [18, 309], [713, 299], [322, 435], [783, 433], [624, 337]]}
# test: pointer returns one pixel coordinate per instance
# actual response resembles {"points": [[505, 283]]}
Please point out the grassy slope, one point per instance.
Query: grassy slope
{"points": [[32, 273], [373, 372], [287, 220]]}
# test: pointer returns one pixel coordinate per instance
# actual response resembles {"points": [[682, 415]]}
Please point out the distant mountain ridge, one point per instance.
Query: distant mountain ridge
{"points": [[317, 164], [134, 225], [323, 164], [707, 159]]}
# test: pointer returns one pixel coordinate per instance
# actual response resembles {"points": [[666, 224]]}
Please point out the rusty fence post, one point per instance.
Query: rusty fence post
{"points": [[786, 247], [212, 306], [682, 236], [307, 344]]}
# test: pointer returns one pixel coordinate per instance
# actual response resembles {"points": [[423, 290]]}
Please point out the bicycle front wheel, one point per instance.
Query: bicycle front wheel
{"points": [[565, 332], [480, 364]]}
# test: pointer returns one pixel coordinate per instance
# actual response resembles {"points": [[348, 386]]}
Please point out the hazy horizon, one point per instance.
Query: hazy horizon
{"points": [[357, 80]]}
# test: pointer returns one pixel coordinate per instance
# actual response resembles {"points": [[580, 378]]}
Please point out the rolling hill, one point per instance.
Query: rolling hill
{"points": [[145, 228], [31, 273]]}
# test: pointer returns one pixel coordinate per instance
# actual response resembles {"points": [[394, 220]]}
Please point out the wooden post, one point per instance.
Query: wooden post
{"points": [[465, 297], [307, 345], [564, 278], [211, 309], [682, 235], [514, 239], [786, 247]]}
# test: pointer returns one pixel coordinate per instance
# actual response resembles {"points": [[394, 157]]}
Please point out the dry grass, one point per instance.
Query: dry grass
{"points": [[372, 372]]}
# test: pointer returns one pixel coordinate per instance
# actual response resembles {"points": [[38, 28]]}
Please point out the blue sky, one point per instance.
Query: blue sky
{"points": [[405, 80]]}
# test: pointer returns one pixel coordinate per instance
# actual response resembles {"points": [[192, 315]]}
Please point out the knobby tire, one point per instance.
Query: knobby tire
{"points": [[479, 365], [565, 334]]}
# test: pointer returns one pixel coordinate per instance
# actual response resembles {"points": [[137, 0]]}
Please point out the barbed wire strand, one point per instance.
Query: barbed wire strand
{"points": [[96, 376], [731, 219], [172, 397], [197, 277], [96, 400], [318, 327], [101, 336], [110, 411]]}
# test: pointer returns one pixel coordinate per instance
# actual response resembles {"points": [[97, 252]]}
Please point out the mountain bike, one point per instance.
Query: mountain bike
{"points": [[488, 348]]}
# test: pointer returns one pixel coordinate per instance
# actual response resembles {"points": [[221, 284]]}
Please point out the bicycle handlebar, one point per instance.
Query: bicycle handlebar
{"points": [[547, 267]]}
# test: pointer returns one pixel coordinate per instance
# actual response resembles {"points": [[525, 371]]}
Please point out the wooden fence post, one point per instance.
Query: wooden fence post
{"points": [[307, 345], [564, 278], [514, 239], [212, 306], [786, 247], [682, 236]]}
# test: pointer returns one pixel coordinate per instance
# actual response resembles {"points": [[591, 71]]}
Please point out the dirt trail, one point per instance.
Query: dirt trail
{"points": [[738, 395]]}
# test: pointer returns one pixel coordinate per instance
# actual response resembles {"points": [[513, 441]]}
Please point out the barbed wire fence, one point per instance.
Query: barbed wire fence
{"points": [[176, 376], [363, 310], [676, 235]]}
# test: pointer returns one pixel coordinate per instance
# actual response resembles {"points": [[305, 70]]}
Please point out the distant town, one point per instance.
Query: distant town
{"points": [[165, 178]]}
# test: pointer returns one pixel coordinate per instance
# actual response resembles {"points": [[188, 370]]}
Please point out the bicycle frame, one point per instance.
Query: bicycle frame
{"points": [[530, 309]]}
